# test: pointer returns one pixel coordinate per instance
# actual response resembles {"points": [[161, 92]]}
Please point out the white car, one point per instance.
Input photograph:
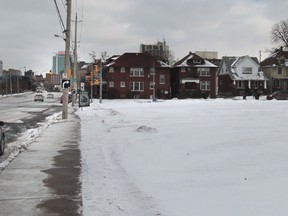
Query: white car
{"points": [[39, 97]]}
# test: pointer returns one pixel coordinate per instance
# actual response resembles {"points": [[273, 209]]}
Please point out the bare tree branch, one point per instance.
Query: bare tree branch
{"points": [[279, 33]]}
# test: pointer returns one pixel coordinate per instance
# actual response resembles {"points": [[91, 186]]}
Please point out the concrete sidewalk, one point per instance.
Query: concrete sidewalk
{"points": [[45, 179]]}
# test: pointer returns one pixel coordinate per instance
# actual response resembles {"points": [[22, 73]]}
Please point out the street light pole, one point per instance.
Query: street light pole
{"points": [[67, 60]]}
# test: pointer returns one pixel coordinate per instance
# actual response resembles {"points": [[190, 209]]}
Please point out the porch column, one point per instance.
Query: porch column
{"points": [[249, 84], [265, 84]]}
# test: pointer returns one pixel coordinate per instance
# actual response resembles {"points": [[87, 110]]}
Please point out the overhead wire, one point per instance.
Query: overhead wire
{"points": [[59, 17]]}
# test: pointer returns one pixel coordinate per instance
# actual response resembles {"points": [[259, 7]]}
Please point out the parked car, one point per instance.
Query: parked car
{"points": [[2, 138], [278, 95], [39, 97], [50, 96]]}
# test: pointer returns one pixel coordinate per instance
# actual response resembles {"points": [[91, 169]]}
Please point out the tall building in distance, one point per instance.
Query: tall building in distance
{"points": [[159, 50], [58, 62]]}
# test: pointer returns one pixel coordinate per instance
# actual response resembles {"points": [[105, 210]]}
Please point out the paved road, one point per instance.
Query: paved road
{"points": [[44, 179]]}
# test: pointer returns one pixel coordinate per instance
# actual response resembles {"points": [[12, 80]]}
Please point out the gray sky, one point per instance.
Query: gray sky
{"points": [[117, 26]]}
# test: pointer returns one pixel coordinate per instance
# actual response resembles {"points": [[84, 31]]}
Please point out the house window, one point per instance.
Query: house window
{"points": [[183, 69], [123, 70], [111, 70], [111, 84], [247, 70], [122, 84], [203, 71], [137, 72], [205, 85], [239, 84], [152, 71], [196, 61], [279, 70], [136, 86], [162, 79], [151, 85]]}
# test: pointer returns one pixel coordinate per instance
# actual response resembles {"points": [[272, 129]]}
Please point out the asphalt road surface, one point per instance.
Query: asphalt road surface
{"points": [[21, 112]]}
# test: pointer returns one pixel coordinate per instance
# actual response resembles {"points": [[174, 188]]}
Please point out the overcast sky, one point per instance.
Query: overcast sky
{"points": [[117, 26]]}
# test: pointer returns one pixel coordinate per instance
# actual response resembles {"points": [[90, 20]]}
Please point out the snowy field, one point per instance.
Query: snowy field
{"points": [[218, 157]]}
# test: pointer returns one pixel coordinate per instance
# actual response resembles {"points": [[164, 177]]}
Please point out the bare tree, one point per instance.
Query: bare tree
{"points": [[279, 34], [93, 56]]}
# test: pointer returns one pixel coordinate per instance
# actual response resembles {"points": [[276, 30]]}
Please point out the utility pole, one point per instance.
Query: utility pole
{"points": [[74, 81], [100, 88], [67, 60]]}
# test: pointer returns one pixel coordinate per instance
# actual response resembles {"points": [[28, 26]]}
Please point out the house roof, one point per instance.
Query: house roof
{"points": [[136, 60], [275, 58], [189, 61], [231, 64]]}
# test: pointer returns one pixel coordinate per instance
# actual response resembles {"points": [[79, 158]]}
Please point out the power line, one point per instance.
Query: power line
{"points": [[59, 16]]}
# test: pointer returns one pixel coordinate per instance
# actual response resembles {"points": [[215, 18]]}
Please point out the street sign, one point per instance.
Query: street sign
{"points": [[65, 83], [82, 86]]}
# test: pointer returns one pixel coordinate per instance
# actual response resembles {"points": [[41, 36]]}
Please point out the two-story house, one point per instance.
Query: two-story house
{"points": [[240, 76], [193, 77], [137, 75], [275, 67]]}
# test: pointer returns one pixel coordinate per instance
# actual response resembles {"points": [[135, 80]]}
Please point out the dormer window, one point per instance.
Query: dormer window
{"points": [[196, 61]]}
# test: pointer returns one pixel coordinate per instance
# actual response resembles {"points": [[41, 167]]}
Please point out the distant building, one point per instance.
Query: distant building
{"points": [[58, 62], [159, 50], [207, 54]]}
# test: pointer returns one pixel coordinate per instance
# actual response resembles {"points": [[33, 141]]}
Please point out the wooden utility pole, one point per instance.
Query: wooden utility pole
{"points": [[67, 60], [74, 78]]}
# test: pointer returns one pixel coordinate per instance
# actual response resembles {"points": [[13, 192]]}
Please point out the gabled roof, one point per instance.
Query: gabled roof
{"points": [[275, 58], [136, 60], [193, 60], [232, 63]]}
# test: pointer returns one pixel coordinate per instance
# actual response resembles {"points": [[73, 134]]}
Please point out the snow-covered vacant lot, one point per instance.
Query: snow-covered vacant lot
{"points": [[185, 157]]}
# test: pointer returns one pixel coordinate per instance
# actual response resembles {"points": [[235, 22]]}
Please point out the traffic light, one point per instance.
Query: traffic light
{"points": [[50, 72], [69, 73], [97, 82]]}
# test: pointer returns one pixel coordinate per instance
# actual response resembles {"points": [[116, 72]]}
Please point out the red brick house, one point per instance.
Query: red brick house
{"points": [[132, 75], [193, 77]]}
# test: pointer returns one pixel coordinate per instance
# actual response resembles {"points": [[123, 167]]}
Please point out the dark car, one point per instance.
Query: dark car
{"points": [[278, 95], [2, 138]]}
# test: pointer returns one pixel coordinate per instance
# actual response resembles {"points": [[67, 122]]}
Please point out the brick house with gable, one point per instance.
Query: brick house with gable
{"points": [[132, 75], [193, 77]]}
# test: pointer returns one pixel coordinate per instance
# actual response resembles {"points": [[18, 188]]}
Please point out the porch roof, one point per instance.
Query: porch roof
{"points": [[185, 80]]}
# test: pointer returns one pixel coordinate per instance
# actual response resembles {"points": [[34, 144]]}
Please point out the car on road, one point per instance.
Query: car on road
{"points": [[39, 97], [2, 138], [278, 95], [50, 96]]}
